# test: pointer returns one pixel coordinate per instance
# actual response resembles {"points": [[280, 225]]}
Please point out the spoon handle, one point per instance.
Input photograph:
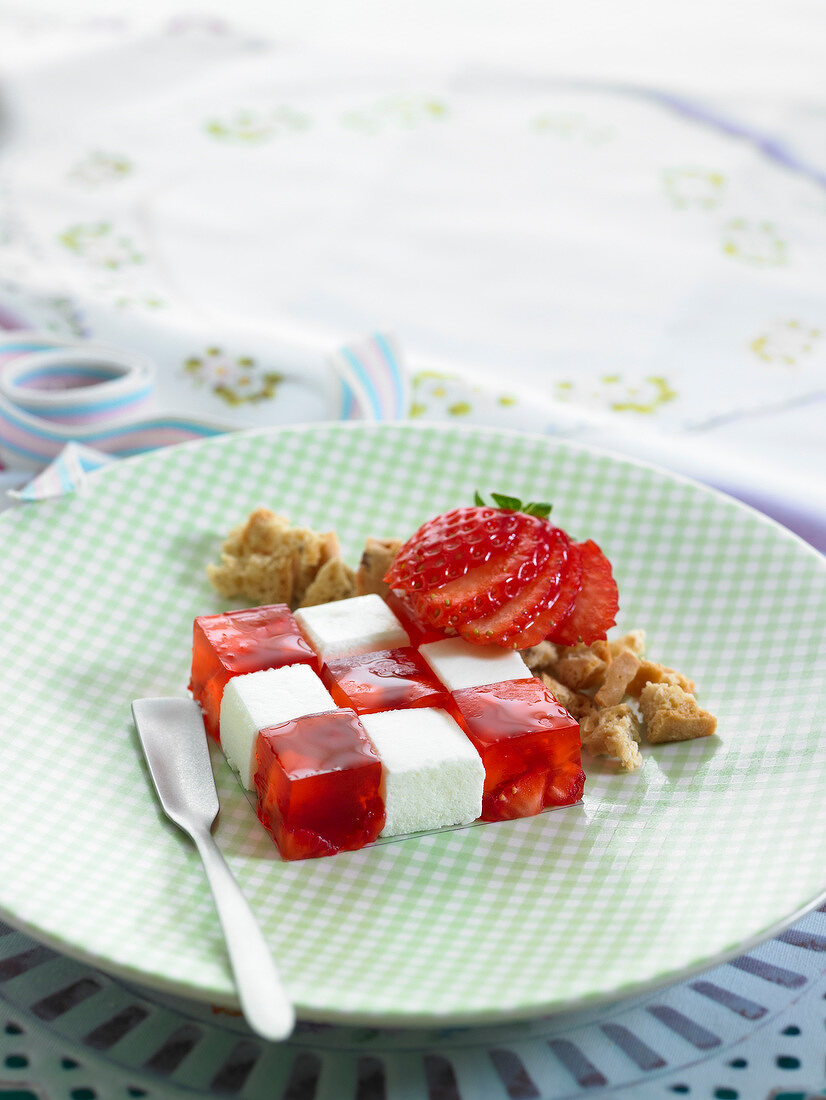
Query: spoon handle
{"points": [[263, 999]]}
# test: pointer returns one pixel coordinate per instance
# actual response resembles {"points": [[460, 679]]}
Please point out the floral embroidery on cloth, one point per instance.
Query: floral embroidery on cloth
{"points": [[236, 380]]}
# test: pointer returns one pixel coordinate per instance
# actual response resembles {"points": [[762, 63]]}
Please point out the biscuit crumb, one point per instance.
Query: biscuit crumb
{"points": [[580, 668], [597, 683], [602, 649], [613, 731], [649, 672], [577, 704], [376, 559], [619, 673], [267, 561], [333, 581], [540, 657], [672, 714], [633, 640]]}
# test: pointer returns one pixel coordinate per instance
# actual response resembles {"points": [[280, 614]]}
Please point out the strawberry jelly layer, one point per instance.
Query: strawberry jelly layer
{"points": [[239, 642], [529, 746], [318, 780], [389, 679]]}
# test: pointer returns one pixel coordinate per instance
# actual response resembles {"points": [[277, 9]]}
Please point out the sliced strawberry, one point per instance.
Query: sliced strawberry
{"points": [[550, 617], [565, 785], [517, 613], [487, 586], [595, 607], [505, 576], [522, 796], [450, 545]]}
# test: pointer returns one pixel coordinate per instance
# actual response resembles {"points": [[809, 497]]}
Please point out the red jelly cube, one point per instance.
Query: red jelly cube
{"points": [[417, 629], [238, 642], [389, 679], [317, 780], [529, 746]]}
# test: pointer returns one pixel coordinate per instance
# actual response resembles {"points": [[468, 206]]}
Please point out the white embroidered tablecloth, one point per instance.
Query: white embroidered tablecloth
{"points": [[610, 260]]}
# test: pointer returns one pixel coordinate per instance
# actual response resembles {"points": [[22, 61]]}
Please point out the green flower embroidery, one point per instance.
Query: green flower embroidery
{"points": [[402, 111], [786, 343], [100, 245], [694, 188], [99, 168], [756, 243], [138, 301], [127, 289], [441, 395], [237, 381], [438, 394], [659, 393], [614, 393], [572, 126], [255, 127], [51, 313]]}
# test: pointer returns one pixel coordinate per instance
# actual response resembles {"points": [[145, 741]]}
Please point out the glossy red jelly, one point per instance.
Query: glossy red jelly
{"points": [[317, 780], [529, 746], [417, 629], [238, 642], [389, 679]]}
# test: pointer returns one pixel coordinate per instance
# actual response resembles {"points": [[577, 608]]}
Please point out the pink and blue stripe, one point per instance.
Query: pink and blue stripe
{"points": [[66, 409], [26, 438], [64, 475], [376, 383], [52, 394]]}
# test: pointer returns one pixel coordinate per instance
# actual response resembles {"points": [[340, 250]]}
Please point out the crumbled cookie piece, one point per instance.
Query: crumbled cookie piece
{"points": [[672, 714], [266, 560], [540, 657], [311, 551], [613, 731], [633, 640], [333, 581], [602, 649], [649, 672], [577, 704], [619, 673], [376, 559], [579, 668], [595, 684]]}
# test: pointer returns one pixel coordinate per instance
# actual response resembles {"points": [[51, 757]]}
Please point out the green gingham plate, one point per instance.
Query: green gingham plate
{"points": [[708, 847]]}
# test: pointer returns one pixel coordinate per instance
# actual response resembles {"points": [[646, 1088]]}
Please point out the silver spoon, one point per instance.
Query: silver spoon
{"points": [[174, 742]]}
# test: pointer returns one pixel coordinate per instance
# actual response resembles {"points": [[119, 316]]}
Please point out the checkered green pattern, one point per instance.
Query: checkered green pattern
{"points": [[708, 845]]}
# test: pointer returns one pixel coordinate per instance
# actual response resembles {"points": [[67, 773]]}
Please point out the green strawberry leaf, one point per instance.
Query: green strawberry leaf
{"points": [[513, 504], [510, 504]]}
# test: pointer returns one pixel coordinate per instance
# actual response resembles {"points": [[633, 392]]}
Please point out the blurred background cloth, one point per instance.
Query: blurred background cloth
{"points": [[611, 226]]}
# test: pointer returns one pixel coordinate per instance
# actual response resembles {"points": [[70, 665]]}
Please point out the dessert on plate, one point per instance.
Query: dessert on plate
{"points": [[450, 678]]}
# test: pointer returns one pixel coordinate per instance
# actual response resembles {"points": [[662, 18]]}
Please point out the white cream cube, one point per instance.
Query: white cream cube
{"points": [[431, 774], [458, 664], [358, 625], [259, 699]]}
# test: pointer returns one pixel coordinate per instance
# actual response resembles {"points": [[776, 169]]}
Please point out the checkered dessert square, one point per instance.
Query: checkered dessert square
{"points": [[349, 727]]}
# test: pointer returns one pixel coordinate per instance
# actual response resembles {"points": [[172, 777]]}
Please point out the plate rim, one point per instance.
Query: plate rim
{"points": [[421, 1020]]}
